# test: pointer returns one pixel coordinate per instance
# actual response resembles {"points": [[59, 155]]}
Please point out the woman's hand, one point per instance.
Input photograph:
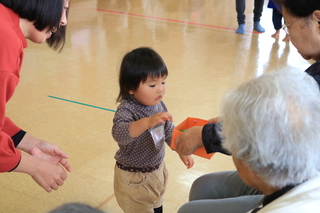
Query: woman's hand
{"points": [[44, 150]]}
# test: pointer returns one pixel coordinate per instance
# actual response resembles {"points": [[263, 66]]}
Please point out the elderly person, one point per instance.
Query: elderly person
{"points": [[302, 18], [269, 127]]}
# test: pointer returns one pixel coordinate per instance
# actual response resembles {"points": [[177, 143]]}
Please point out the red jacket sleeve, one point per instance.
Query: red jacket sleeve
{"points": [[12, 43], [9, 155], [10, 128]]}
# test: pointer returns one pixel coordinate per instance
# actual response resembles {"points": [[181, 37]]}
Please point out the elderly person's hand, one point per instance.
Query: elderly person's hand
{"points": [[213, 120], [189, 141]]}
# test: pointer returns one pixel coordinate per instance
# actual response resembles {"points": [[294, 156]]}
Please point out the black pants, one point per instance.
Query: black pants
{"points": [[241, 6], [277, 19], [158, 210]]}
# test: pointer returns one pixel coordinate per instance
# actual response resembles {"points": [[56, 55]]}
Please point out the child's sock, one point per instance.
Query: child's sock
{"points": [[158, 210], [241, 29], [258, 27]]}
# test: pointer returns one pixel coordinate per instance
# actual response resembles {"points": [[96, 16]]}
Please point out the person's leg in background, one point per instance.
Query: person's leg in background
{"points": [[221, 192], [257, 13], [240, 204], [277, 22], [241, 17]]}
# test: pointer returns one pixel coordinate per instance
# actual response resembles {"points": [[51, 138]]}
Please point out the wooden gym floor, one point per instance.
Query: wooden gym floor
{"points": [[68, 98]]}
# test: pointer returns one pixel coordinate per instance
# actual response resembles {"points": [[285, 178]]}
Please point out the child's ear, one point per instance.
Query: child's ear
{"points": [[131, 92]]}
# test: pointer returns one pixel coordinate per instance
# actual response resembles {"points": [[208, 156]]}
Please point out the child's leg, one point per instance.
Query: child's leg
{"points": [[140, 192], [162, 175], [158, 210]]}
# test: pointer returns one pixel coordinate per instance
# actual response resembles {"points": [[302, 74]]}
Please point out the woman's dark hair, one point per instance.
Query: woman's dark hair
{"points": [[300, 8], [57, 39], [44, 13], [136, 67]]}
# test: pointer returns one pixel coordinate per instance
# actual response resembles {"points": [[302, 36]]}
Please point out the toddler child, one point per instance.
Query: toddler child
{"points": [[141, 125]]}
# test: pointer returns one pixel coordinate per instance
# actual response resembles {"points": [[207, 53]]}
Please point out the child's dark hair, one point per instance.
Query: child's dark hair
{"points": [[136, 67], [44, 13]]}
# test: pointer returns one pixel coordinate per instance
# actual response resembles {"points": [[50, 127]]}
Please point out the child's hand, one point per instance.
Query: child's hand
{"points": [[187, 160], [159, 118], [214, 120], [138, 127]]}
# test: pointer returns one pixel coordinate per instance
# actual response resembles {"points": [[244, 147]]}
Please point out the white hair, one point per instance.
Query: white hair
{"points": [[272, 124]]}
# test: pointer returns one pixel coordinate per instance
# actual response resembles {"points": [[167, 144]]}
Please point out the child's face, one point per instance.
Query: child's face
{"points": [[150, 92]]}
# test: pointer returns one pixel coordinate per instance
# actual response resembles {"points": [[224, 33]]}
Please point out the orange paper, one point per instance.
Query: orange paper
{"points": [[186, 124]]}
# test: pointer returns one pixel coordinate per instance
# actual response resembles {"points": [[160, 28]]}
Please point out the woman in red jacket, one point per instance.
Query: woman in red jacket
{"points": [[38, 21]]}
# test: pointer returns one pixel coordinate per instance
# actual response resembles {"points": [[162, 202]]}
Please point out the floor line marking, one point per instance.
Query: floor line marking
{"points": [[172, 20], [105, 202], [76, 102]]}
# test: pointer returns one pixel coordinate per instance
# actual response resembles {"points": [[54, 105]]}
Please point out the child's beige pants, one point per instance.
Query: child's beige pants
{"points": [[138, 192]]}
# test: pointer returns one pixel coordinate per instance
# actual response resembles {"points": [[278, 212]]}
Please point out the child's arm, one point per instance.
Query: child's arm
{"points": [[187, 160], [138, 127]]}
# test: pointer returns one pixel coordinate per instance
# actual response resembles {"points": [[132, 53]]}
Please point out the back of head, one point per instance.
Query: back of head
{"points": [[272, 124]]}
